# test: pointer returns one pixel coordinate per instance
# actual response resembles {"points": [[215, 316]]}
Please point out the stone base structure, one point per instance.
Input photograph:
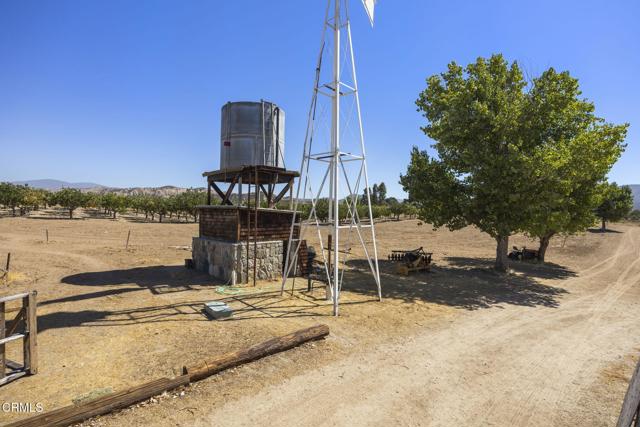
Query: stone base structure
{"points": [[230, 262]]}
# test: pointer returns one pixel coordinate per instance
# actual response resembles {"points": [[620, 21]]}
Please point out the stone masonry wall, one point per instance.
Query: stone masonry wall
{"points": [[221, 259]]}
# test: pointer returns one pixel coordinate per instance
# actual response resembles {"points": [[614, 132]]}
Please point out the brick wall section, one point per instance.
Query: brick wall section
{"points": [[232, 225], [219, 224]]}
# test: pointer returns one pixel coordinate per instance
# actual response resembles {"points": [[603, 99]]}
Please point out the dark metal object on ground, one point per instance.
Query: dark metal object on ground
{"points": [[411, 260], [523, 254]]}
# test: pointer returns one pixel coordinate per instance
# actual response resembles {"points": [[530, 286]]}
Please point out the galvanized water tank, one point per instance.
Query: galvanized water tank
{"points": [[252, 133]]}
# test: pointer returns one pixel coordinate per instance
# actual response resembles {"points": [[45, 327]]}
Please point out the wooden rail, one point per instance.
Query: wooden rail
{"points": [[11, 331], [631, 406], [118, 400]]}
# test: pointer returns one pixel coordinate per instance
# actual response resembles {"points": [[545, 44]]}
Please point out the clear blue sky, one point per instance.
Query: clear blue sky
{"points": [[128, 93]]}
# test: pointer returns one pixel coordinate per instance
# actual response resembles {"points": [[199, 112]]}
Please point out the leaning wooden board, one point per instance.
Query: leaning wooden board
{"points": [[102, 405], [631, 404]]}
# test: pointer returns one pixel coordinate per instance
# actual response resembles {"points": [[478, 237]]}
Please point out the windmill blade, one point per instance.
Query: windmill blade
{"points": [[369, 6]]}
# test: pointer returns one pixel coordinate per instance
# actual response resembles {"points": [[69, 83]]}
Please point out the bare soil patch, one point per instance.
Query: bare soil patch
{"points": [[458, 345]]}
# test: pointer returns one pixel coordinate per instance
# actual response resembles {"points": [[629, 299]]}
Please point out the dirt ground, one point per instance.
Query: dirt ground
{"points": [[550, 344]]}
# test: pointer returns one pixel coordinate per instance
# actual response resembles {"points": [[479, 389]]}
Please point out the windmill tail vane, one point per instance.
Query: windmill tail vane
{"points": [[369, 6]]}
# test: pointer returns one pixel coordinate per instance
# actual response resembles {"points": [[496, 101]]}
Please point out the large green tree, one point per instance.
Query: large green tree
{"points": [[573, 152], [12, 196], [616, 203], [475, 116], [511, 156], [71, 199]]}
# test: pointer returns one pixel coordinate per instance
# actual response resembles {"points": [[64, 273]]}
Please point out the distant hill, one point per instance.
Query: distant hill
{"points": [[636, 196], [167, 190], [55, 185]]}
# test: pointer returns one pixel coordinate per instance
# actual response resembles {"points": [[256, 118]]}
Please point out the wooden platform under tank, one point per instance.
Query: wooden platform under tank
{"points": [[264, 178], [238, 223]]}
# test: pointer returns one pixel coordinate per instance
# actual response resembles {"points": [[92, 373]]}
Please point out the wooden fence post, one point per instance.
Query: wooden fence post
{"points": [[3, 359], [30, 344]]}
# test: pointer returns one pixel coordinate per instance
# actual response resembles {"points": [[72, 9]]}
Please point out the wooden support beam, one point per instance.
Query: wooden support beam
{"points": [[255, 230], [218, 190], [209, 367], [73, 414], [291, 194], [272, 189], [283, 192], [208, 193], [227, 197], [265, 192]]}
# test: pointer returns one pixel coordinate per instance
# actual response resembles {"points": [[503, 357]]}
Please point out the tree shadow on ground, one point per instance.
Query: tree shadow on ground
{"points": [[159, 279], [601, 231], [190, 311], [465, 283], [258, 305], [532, 269]]}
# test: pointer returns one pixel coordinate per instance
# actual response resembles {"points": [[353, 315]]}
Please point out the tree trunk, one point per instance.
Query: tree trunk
{"points": [[114, 214], [70, 213], [14, 210], [501, 253], [604, 225], [544, 244]]}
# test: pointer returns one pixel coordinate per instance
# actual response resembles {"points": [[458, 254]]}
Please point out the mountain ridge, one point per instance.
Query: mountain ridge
{"points": [[55, 185]]}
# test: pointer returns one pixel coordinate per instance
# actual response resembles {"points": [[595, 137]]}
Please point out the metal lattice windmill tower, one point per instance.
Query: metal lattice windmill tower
{"points": [[334, 167]]}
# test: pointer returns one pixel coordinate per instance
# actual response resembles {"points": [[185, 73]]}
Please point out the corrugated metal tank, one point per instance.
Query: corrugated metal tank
{"points": [[252, 133]]}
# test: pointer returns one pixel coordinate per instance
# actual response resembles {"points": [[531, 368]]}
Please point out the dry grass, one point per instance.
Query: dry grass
{"points": [[110, 317]]}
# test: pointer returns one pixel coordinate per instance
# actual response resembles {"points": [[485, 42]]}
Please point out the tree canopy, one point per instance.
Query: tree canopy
{"points": [[616, 203], [508, 152]]}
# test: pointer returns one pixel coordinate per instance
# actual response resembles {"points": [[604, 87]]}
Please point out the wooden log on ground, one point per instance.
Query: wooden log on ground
{"points": [[631, 404], [207, 368], [102, 405]]}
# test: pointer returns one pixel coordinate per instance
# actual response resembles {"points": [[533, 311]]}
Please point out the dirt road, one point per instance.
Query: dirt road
{"points": [[509, 366]]}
